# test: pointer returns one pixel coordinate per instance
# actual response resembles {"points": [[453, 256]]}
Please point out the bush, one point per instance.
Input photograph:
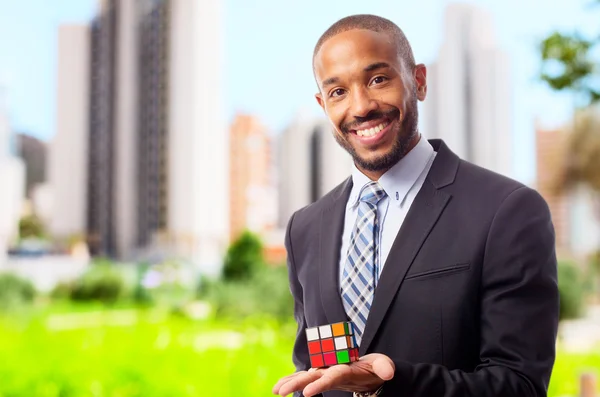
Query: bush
{"points": [[15, 291], [102, 282], [244, 258], [571, 288], [267, 292]]}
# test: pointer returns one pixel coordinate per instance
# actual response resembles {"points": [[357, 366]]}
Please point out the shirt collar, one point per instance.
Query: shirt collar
{"points": [[399, 179]]}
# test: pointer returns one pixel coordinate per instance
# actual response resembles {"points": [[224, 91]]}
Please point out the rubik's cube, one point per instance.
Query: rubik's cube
{"points": [[331, 344]]}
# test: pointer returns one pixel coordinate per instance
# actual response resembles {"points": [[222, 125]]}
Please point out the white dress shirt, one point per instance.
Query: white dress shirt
{"points": [[401, 183]]}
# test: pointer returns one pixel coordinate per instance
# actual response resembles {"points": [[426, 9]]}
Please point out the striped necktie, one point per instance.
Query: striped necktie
{"points": [[360, 272]]}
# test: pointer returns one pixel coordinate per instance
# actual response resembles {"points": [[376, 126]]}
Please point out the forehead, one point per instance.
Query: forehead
{"points": [[350, 51]]}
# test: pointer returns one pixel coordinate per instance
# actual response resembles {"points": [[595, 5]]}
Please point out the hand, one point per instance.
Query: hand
{"points": [[364, 375]]}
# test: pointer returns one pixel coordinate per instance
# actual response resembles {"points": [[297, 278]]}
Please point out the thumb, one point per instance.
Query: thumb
{"points": [[383, 367]]}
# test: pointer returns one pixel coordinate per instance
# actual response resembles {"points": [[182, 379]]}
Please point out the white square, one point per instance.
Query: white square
{"points": [[340, 343], [325, 331], [312, 334]]}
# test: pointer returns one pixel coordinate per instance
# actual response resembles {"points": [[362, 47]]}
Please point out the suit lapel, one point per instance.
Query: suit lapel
{"points": [[420, 219], [332, 225]]}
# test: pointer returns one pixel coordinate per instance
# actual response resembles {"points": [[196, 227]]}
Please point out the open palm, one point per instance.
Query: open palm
{"points": [[366, 374]]}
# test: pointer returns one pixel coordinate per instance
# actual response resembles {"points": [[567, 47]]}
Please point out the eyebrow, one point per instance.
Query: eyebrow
{"points": [[372, 67], [376, 66]]}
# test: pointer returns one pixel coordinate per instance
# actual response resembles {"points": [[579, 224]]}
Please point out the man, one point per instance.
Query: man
{"points": [[447, 270]]}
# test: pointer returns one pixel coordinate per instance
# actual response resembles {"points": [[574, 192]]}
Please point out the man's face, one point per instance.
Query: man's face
{"points": [[369, 97]]}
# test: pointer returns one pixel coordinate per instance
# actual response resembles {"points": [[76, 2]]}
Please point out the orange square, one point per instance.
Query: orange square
{"points": [[338, 329]]}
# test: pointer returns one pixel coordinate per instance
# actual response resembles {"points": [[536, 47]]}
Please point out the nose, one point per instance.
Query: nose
{"points": [[362, 102]]}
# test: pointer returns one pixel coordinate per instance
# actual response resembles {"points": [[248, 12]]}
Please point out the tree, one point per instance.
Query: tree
{"points": [[568, 65], [244, 258], [31, 226]]}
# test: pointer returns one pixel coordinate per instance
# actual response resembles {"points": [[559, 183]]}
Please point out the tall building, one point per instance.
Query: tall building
{"points": [[158, 144], [468, 102], [67, 167], [252, 190], [101, 193], [574, 212], [33, 152], [12, 183], [311, 163], [550, 154]]}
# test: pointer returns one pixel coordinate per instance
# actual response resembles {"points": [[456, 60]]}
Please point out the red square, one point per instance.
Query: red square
{"points": [[316, 361], [330, 359], [314, 347], [353, 355], [327, 345]]}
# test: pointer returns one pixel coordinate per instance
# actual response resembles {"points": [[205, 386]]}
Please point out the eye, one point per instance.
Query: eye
{"points": [[378, 80], [337, 92]]}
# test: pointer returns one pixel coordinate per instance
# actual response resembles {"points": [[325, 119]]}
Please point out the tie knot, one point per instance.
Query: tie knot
{"points": [[372, 192]]}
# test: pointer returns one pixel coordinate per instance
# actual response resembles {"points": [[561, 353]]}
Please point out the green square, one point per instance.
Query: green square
{"points": [[343, 357], [346, 329]]}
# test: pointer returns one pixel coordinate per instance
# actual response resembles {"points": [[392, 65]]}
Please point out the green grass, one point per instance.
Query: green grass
{"points": [[73, 351], [133, 353]]}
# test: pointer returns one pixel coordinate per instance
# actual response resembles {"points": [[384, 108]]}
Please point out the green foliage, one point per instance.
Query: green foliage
{"points": [[266, 293], [15, 291], [244, 258], [571, 287], [31, 227], [101, 282], [568, 65], [156, 355]]}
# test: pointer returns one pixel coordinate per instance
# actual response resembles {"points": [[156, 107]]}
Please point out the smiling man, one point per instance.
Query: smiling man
{"points": [[447, 270]]}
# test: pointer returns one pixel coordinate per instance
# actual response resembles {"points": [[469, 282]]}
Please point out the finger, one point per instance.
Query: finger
{"points": [[285, 379], [383, 367], [330, 380], [299, 382]]}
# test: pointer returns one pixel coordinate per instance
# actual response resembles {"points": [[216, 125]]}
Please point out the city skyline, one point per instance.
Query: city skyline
{"points": [[29, 74]]}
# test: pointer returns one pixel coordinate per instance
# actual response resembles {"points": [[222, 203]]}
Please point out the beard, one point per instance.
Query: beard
{"points": [[408, 130]]}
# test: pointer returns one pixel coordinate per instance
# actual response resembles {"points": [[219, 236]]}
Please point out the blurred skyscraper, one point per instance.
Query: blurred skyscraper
{"points": [[311, 163], [468, 102], [576, 224], [68, 166], [33, 152], [550, 151], [12, 183], [157, 172], [253, 193]]}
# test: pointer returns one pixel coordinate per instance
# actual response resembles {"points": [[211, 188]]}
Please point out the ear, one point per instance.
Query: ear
{"points": [[320, 100], [420, 76]]}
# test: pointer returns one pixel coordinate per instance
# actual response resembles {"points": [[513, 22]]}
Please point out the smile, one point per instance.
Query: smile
{"points": [[372, 131]]}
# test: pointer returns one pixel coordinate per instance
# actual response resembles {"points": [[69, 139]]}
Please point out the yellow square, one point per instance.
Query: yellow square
{"points": [[338, 329]]}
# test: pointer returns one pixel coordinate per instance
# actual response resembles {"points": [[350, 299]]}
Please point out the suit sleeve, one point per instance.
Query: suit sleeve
{"points": [[519, 312], [300, 356]]}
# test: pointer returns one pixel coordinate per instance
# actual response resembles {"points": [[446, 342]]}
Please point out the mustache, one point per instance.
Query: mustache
{"points": [[374, 115]]}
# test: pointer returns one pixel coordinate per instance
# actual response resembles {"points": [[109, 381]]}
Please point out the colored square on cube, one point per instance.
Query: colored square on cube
{"points": [[350, 341], [353, 355], [314, 347], [312, 334], [327, 345], [332, 344], [339, 329], [325, 331], [341, 343], [343, 357], [316, 361], [330, 359]]}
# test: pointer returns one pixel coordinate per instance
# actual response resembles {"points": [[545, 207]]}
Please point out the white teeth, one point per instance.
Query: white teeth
{"points": [[372, 131]]}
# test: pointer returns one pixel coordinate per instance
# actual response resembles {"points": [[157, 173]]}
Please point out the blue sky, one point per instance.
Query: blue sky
{"points": [[268, 48]]}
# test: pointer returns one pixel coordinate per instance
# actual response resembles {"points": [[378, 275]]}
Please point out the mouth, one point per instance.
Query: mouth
{"points": [[369, 132], [374, 134]]}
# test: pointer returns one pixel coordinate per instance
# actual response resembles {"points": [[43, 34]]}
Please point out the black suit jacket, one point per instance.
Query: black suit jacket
{"points": [[467, 302]]}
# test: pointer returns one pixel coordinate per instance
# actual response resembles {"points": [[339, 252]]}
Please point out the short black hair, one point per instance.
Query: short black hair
{"points": [[376, 24]]}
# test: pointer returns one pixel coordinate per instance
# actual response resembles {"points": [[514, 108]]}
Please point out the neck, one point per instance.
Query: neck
{"points": [[375, 175]]}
